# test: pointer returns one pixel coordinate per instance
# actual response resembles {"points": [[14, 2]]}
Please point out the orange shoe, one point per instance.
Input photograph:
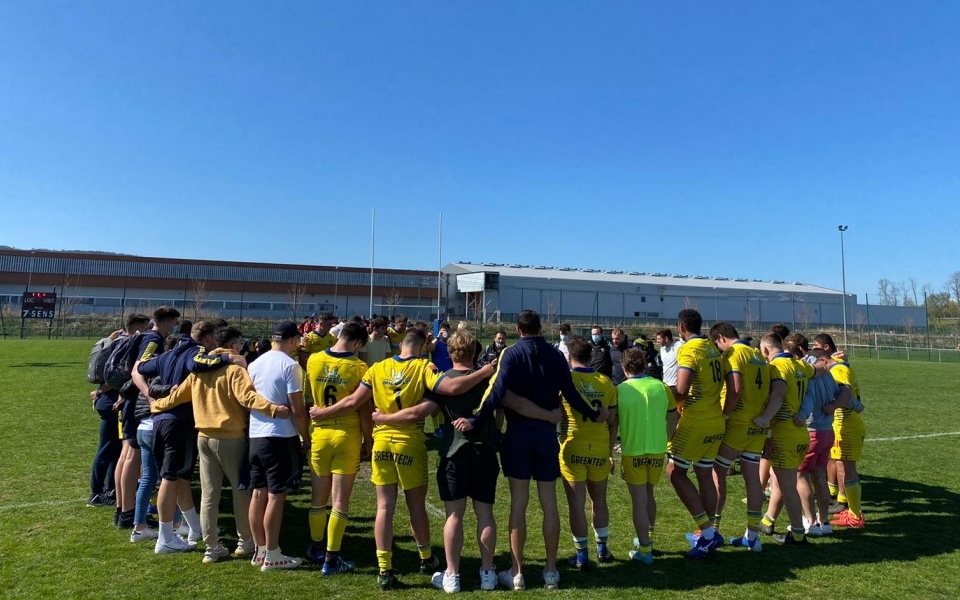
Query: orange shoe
{"points": [[847, 519]]}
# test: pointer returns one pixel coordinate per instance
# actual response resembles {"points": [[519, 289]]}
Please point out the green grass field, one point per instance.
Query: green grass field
{"points": [[52, 545]]}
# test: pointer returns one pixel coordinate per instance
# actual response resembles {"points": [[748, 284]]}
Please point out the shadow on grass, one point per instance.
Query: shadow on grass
{"points": [[46, 365], [908, 516]]}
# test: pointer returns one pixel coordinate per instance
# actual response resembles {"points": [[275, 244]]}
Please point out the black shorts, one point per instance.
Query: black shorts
{"points": [[530, 454], [275, 464], [129, 422], [174, 448], [472, 471]]}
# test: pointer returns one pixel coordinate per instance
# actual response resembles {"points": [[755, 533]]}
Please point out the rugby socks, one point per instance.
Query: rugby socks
{"points": [[797, 533], [842, 496], [425, 551], [750, 534], [580, 543], [385, 560], [753, 520], [338, 525], [318, 522], [600, 535], [716, 521], [834, 489], [767, 520], [703, 523], [166, 532], [192, 519], [645, 549], [853, 496]]}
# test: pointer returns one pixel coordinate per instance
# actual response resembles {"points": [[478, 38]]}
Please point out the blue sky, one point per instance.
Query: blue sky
{"points": [[705, 138]]}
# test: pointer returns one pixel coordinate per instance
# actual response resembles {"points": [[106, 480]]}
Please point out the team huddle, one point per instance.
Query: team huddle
{"points": [[789, 414]]}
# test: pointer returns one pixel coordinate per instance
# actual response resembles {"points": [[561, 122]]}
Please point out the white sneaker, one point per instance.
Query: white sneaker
{"points": [[551, 580], [258, 555], [508, 581], [813, 529], [147, 533], [245, 549], [448, 583], [183, 529], [284, 562], [176, 544], [807, 525], [488, 579], [194, 537], [214, 554]]}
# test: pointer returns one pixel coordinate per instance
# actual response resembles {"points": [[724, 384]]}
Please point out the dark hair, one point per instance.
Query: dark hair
{"points": [[355, 332], [444, 325], [825, 340], [691, 320], [165, 313], [500, 331], [634, 361], [799, 340], [357, 319], [222, 323], [400, 319], [780, 329], [135, 320], [564, 327], [596, 327], [379, 322], [772, 339], [580, 350], [171, 342], [725, 329], [227, 335], [185, 327], [528, 322], [263, 345], [665, 333]]}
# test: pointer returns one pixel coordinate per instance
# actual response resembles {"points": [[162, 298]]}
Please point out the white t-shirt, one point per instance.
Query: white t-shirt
{"points": [[668, 356], [274, 375]]}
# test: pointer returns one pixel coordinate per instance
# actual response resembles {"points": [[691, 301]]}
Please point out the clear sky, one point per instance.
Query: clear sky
{"points": [[704, 138]]}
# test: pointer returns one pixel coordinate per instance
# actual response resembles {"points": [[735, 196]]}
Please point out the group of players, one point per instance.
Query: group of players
{"points": [[776, 408]]}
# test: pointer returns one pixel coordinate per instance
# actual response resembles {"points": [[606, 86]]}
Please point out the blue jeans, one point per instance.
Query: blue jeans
{"points": [[148, 475], [108, 451]]}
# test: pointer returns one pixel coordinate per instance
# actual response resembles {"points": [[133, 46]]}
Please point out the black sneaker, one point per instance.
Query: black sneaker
{"points": [[386, 580], [429, 565], [765, 529], [787, 539], [838, 507], [125, 521], [97, 501]]}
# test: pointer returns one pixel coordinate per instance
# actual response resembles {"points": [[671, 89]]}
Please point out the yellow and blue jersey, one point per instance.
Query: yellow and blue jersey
{"points": [[702, 359]]}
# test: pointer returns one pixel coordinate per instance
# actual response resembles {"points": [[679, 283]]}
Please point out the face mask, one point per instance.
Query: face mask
{"points": [[564, 338], [444, 335], [596, 339]]}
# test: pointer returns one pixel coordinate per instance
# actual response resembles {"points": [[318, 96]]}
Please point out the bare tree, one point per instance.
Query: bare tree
{"points": [[883, 287], [953, 285], [913, 286], [690, 303], [295, 296], [200, 294], [860, 322], [749, 319], [908, 327], [69, 299], [552, 313], [392, 299], [805, 316]]}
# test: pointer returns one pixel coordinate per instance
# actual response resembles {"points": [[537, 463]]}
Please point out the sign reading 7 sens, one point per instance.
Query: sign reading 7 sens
{"points": [[38, 305]]}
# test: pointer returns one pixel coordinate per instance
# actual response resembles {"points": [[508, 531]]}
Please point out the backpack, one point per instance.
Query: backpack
{"points": [[119, 367], [98, 360]]}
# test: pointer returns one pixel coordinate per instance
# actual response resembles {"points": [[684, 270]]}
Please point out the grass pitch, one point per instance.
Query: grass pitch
{"points": [[51, 545]]}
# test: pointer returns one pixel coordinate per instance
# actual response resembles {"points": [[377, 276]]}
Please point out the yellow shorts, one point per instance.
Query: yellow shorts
{"points": [[402, 461], [696, 441], [641, 470], [745, 437], [334, 451], [584, 461], [848, 442], [791, 443]]}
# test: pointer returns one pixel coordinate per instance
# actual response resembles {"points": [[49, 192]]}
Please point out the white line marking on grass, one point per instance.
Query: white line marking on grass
{"points": [[44, 503], [433, 510], [913, 437]]}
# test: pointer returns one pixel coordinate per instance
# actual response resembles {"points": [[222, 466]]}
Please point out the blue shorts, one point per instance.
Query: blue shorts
{"points": [[531, 455]]}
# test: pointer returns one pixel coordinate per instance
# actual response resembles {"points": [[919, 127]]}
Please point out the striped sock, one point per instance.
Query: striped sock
{"points": [[702, 521], [753, 519], [335, 529]]}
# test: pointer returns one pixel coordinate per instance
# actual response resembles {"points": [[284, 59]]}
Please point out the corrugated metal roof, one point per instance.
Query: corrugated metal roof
{"points": [[638, 278]]}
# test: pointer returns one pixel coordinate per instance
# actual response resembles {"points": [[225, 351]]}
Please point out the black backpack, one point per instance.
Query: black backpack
{"points": [[98, 360], [119, 367]]}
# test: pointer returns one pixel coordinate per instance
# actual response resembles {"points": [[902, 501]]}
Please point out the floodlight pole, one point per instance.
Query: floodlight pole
{"points": [[843, 274]]}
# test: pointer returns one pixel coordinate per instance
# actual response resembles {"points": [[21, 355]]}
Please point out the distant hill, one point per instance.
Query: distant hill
{"points": [[4, 247]]}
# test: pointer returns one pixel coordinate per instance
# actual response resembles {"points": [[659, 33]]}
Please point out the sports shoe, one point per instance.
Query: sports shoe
{"points": [[245, 549], [175, 544], [386, 580], [337, 566], [693, 537], [212, 555], [100, 500], [284, 562], [144, 534], [787, 539], [488, 579], [704, 546], [194, 537], [646, 559], [605, 557], [507, 580], [765, 529], [448, 583], [747, 544], [837, 507], [826, 530], [847, 519], [580, 560], [551, 580], [429, 565], [317, 552], [258, 555]]}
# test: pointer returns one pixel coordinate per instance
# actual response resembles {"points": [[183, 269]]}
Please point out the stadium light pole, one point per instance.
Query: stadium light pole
{"points": [[843, 275]]}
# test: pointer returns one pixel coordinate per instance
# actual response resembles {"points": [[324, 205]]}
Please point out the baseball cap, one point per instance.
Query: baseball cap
{"points": [[285, 330]]}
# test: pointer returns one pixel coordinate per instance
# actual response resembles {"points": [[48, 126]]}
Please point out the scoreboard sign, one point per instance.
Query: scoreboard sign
{"points": [[38, 305]]}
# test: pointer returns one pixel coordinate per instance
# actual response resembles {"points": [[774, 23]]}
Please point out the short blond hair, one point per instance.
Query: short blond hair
{"points": [[461, 346]]}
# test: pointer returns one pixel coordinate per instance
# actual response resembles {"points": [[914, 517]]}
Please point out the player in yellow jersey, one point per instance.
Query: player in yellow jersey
{"points": [[700, 429], [747, 385], [399, 454], [335, 448], [788, 443], [824, 341], [586, 454], [849, 431], [316, 340], [396, 332]]}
